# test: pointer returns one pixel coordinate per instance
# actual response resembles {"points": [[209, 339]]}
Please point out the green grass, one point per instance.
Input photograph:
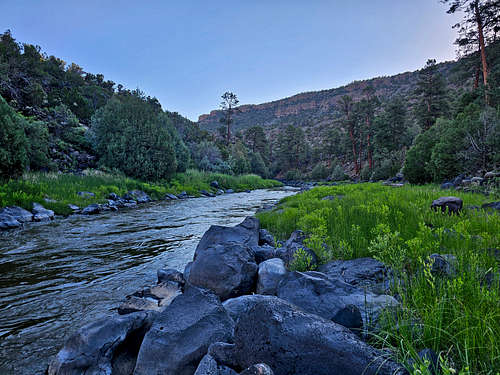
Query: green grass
{"points": [[458, 317], [63, 188]]}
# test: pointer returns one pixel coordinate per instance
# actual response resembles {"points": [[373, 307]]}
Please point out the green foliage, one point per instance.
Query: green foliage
{"points": [[257, 165], [13, 142], [458, 316], [338, 174], [302, 261], [38, 139], [130, 136], [319, 172]]}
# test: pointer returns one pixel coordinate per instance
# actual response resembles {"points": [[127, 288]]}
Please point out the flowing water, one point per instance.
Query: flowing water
{"points": [[59, 276]]}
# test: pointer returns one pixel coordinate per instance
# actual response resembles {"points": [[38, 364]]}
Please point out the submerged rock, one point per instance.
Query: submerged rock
{"points": [[180, 335]]}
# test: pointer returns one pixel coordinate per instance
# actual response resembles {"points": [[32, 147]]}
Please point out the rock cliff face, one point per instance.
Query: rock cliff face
{"points": [[311, 108]]}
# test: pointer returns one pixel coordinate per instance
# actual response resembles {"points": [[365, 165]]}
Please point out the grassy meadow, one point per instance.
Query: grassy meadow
{"points": [[459, 316], [63, 188]]}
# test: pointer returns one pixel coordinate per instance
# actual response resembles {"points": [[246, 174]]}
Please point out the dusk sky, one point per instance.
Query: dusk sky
{"points": [[188, 53]]}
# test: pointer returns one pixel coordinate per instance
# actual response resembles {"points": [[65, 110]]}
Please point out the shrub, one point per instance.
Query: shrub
{"points": [[319, 172], [13, 142], [338, 174]]}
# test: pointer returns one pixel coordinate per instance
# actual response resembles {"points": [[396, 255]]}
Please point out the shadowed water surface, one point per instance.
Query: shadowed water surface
{"points": [[56, 277]]}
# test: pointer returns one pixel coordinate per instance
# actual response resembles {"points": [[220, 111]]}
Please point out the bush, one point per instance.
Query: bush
{"points": [[130, 136], [257, 165], [338, 174], [38, 138], [293, 174], [13, 142], [319, 172]]}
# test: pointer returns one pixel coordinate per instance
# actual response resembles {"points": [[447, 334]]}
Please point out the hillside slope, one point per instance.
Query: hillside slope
{"points": [[312, 108]]}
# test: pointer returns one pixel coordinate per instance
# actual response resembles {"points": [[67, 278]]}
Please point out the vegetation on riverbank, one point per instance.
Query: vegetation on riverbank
{"points": [[457, 316], [55, 191]]}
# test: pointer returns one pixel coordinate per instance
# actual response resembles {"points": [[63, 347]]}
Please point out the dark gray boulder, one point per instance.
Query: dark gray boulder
{"points": [[367, 273], [215, 184], [266, 238], [229, 270], [208, 366], [171, 197], [183, 195], [291, 341], [269, 275], [40, 213], [349, 317], [180, 335], [491, 206], [17, 213], [247, 232], [292, 245], [229, 191], [207, 194], [107, 346], [451, 204], [92, 209], [169, 274], [239, 305], [314, 292], [259, 369], [73, 207], [8, 222], [113, 196], [263, 253]]}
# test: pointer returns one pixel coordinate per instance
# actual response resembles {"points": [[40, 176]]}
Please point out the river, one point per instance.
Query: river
{"points": [[56, 277]]}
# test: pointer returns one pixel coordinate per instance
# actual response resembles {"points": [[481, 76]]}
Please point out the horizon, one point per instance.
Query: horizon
{"points": [[187, 78]]}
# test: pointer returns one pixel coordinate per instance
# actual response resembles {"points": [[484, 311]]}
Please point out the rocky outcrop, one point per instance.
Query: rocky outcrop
{"points": [[292, 341], [246, 233], [181, 335], [107, 346], [240, 305]]}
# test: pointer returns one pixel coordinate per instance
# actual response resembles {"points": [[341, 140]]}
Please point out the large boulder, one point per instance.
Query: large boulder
{"points": [[240, 305], [40, 213], [316, 293], [367, 273], [180, 335], [17, 213], [266, 238], [291, 341], [452, 204], [107, 346], [208, 366], [269, 275], [292, 245], [247, 232], [229, 270]]}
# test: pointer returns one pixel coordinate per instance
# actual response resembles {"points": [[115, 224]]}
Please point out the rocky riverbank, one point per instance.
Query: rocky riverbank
{"points": [[237, 308], [12, 217]]}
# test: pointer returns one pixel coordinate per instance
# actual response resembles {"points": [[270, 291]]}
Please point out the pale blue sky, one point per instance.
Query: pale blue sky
{"points": [[187, 53]]}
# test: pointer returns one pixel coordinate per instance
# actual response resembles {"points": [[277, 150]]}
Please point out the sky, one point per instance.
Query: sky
{"points": [[187, 53]]}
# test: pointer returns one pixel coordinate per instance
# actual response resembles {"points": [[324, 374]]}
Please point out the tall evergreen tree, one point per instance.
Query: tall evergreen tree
{"points": [[431, 93], [228, 107]]}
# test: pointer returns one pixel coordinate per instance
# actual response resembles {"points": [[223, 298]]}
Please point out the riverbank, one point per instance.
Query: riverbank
{"points": [[448, 264], [59, 192]]}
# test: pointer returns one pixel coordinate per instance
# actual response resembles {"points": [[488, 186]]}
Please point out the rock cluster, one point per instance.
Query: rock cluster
{"points": [[236, 309]]}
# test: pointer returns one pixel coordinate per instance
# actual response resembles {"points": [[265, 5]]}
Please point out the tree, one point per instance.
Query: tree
{"points": [[346, 109], [256, 141], [431, 93], [228, 104], [129, 135], [13, 142], [481, 21], [293, 150]]}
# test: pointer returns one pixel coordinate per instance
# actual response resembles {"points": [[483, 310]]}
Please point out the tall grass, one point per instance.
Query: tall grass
{"points": [[458, 316], [63, 188]]}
